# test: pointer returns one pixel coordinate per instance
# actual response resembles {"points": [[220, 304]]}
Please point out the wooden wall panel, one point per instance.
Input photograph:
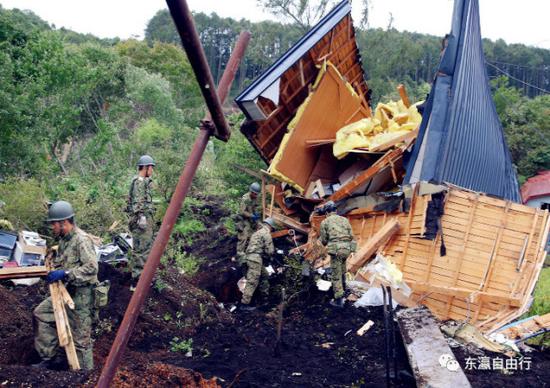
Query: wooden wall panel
{"points": [[485, 238]]}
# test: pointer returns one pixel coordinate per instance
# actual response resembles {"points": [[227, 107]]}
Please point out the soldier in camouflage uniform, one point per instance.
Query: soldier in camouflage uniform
{"points": [[75, 265], [335, 233], [141, 212], [259, 251], [247, 219]]}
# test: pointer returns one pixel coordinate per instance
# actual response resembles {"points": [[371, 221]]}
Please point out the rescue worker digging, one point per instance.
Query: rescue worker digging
{"points": [[335, 233], [141, 212], [247, 219], [75, 265], [259, 251]]}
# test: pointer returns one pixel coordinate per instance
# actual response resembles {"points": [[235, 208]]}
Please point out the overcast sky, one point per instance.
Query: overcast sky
{"points": [[514, 21]]}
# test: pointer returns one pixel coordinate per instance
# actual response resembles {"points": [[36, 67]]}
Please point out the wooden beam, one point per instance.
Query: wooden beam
{"points": [[369, 248], [290, 222], [247, 170], [400, 139], [318, 142], [403, 93], [22, 272], [369, 173], [280, 233], [474, 296]]}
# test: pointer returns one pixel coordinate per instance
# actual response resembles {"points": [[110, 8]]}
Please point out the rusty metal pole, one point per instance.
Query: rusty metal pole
{"points": [[185, 25], [170, 218]]}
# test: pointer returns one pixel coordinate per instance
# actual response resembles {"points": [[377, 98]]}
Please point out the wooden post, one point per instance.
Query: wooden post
{"points": [[263, 197]]}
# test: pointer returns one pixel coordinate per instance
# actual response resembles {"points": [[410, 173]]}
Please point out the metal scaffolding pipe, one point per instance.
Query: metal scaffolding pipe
{"points": [[170, 218], [183, 19]]}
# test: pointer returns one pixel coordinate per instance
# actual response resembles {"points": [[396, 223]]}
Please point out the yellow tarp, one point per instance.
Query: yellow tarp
{"points": [[389, 122]]}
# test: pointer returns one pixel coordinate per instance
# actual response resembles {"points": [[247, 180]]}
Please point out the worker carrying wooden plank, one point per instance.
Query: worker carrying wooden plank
{"points": [[76, 266], [336, 234]]}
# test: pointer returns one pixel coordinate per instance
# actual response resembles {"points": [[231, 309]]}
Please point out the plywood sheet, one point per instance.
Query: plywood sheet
{"points": [[331, 106]]}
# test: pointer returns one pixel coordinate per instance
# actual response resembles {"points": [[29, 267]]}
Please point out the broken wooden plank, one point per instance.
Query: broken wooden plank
{"points": [[319, 142], [404, 97], [23, 272], [247, 170], [369, 248], [526, 328], [290, 222], [280, 233], [400, 139], [426, 347], [384, 161], [473, 296]]}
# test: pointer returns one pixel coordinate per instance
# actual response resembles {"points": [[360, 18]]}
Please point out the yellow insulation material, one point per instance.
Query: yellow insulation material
{"points": [[389, 122]]}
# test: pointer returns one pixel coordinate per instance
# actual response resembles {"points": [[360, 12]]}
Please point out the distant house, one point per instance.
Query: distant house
{"points": [[536, 191]]}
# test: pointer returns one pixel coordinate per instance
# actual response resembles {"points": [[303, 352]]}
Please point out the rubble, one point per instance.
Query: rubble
{"points": [[466, 255]]}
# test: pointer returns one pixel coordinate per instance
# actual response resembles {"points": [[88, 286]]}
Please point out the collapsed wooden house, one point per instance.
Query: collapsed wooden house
{"points": [[463, 244]]}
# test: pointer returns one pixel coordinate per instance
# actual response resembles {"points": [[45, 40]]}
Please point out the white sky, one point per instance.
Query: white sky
{"points": [[515, 22]]}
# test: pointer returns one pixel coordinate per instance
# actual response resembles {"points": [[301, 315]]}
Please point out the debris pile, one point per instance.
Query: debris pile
{"points": [[416, 188]]}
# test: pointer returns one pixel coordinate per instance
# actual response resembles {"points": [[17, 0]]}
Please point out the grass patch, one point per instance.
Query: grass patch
{"points": [[186, 263]]}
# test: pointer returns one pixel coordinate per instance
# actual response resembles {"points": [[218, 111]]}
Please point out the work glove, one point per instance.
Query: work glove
{"points": [[281, 252], [255, 217], [54, 276], [142, 223]]}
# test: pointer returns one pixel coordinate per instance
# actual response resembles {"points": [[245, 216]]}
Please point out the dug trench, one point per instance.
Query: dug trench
{"points": [[186, 337]]}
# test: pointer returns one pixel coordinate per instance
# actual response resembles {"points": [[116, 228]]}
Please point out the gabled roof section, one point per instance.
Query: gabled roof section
{"points": [[536, 186], [461, 140], [272, 100]]}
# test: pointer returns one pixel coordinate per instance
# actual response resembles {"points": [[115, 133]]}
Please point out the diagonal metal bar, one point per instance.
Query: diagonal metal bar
{"points": [[170, 218]]}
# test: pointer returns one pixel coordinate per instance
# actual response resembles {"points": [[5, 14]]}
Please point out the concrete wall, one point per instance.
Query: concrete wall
{"points": [[536, 202]]}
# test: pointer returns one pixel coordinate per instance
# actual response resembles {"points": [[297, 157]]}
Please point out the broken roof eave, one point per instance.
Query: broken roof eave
{"points": [[308, 41]]}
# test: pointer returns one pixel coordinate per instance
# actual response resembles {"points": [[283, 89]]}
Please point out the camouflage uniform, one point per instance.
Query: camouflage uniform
{"points": [[77, 256], [140, 203], [245, 224], [259, 248], [336, 235]]}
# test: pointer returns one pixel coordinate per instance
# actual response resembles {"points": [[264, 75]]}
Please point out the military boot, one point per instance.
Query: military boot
{"points": [[338, 302]]}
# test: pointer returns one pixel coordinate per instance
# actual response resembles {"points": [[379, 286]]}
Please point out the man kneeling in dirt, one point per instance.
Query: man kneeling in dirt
{"points": [[75, 265], [336, 234], [259, 251]]}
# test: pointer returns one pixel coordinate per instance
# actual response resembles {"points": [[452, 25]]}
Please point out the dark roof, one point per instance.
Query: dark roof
{"points": [[461, 140], [273, 99]]}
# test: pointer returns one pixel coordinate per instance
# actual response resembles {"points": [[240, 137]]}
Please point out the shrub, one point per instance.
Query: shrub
{"points": [[25, 202]]}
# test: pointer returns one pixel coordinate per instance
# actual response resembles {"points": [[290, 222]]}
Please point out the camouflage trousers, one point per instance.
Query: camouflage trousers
{"points": [[256, 275], [338, 268], [244, 231], [143, 242], [46, 341]]}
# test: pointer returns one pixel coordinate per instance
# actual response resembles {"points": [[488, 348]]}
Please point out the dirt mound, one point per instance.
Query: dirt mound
{"points": [[319, 349], [174, 309], [161, 375]]}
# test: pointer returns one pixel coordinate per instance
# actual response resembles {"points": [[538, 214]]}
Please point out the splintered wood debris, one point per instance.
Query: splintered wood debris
{"points": [[463, 254]]}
